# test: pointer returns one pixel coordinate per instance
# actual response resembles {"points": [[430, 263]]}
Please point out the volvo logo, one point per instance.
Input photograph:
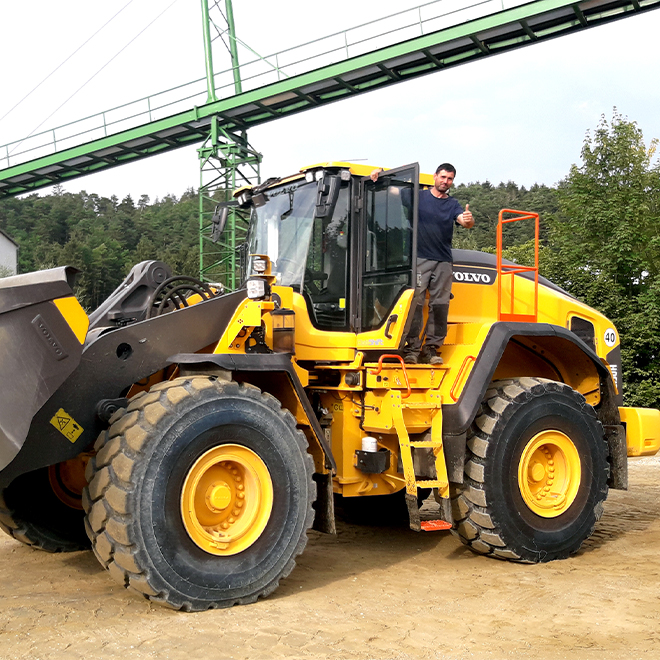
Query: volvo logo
{"points": [[47, 335], [469, 275]]}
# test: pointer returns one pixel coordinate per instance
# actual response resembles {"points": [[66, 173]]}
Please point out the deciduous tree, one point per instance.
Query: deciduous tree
{"points": [[604, 245]]}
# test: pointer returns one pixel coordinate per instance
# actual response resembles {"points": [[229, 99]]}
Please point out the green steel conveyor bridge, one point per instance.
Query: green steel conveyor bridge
{"points": [[406, 45]]}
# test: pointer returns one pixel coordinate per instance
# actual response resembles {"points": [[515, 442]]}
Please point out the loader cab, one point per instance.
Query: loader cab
{"points": [[345, 243]]}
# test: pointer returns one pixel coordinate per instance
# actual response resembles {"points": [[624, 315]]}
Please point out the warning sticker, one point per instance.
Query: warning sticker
{"points": [[66, 425]]}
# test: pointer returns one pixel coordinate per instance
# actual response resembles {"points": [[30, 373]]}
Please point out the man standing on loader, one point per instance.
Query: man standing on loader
{"points": [[438, 212]]}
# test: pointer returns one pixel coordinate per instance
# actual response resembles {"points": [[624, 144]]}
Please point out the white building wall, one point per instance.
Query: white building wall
{"points": [[8, 256]]}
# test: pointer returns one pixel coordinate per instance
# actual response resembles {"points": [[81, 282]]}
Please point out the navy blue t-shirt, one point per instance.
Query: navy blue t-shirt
{"points": [[435, 226]]}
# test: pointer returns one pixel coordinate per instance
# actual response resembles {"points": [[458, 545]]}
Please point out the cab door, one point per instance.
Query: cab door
{"points": [[386, 255]]}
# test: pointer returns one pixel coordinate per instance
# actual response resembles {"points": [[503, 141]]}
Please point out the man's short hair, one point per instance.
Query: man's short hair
{"points": [[447, 167]]}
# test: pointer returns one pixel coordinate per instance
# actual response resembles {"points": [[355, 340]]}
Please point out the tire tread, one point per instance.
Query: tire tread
{"points": [[112, 484], [474, 521]]}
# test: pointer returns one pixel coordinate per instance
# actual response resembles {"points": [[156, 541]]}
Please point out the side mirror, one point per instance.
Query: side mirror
{"points": [[219, 220]]}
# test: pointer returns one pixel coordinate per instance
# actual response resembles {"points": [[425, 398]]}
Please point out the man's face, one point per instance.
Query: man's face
{"points": [[443, 180]]}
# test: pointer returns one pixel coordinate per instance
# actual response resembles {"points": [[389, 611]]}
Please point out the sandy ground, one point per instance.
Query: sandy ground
{"points": [[369, 593]]}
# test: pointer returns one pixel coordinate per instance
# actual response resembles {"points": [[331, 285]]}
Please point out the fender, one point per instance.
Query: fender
{"points": [[264, 362], [458, 417]]}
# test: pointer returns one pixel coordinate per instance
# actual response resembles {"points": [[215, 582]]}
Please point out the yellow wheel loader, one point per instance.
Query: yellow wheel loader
{"points": [[193, 437]]}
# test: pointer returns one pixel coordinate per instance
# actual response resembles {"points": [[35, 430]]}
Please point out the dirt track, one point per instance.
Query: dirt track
{"points": [[369, 593]]}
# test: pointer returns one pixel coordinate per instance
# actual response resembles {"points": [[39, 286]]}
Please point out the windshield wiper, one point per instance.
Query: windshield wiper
{"points": [[286, 214]]}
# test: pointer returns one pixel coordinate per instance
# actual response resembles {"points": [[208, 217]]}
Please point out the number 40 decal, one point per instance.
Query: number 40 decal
{"points": [[610, 337]]}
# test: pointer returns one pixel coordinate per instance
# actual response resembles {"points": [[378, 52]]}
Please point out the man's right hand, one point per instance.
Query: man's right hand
{"points": [[374, 175]]}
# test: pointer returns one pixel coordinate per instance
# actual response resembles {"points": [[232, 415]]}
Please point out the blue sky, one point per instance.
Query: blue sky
{"points": [[519, 116]]}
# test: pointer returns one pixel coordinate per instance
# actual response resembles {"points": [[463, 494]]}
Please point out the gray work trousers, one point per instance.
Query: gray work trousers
{"points": [[436, 277]]}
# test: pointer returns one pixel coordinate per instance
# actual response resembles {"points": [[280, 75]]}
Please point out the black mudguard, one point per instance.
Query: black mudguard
{"points": [[271, 362]]}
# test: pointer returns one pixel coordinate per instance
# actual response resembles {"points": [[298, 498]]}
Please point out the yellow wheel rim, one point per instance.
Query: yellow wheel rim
{"points": [[226, 500], [549, 473]]}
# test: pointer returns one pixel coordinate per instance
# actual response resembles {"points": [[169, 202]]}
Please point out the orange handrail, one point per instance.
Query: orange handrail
{"points": [[513, 269], [459, 377], [403, 366]]}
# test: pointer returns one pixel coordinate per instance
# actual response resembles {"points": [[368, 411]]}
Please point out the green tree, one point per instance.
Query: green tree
{"points": [[604, 245], [487, 200], [102, 237]]}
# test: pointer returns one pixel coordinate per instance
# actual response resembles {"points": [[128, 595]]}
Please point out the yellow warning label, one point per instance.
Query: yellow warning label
{"points": [[66, 425]]}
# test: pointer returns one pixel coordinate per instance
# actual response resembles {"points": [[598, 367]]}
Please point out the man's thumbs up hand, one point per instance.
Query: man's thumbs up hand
{"points": [[466, 218]]}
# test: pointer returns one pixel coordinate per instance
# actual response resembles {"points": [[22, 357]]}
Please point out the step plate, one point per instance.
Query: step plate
{"points": [[435, 525]]}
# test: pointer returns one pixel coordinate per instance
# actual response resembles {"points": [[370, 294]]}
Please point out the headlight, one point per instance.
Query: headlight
{"points": [[244, 199], [259, 265], [256, 288]]}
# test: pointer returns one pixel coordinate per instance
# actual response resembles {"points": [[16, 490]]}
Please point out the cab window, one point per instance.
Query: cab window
{"points": [[326, 270]]}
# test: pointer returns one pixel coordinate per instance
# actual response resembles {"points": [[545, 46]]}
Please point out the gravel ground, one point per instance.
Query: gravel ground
{"points": [[369, 593]]}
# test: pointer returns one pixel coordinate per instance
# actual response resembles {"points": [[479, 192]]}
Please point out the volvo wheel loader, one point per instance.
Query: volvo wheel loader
{"points": [[193, 437]]}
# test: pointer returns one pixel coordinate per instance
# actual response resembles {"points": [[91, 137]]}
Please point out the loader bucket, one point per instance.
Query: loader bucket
{"points": [[39, 348]]}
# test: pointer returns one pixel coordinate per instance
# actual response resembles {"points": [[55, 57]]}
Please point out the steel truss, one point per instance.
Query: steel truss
{"points": [[227, 162]]}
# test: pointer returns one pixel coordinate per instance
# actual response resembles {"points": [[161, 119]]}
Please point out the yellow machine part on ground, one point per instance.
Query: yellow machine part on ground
{"points": [[642, 430]]}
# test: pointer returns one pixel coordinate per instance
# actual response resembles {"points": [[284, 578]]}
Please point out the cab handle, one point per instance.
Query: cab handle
{"points": [[390, 322]]}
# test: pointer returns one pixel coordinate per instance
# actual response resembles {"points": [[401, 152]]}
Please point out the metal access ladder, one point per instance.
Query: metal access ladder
{"points": [[390, 415]]}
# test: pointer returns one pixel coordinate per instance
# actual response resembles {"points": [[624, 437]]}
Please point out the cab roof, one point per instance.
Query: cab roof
{"points": [[357, 169]]}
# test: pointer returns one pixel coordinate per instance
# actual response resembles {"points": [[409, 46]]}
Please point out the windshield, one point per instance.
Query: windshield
{"points": [[281, 229]]}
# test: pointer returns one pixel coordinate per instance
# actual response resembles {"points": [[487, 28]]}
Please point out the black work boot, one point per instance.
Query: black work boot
{"points": [[429, 355]]}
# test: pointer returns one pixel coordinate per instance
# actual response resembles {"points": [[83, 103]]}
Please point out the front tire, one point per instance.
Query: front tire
{"points": [[200, 495], [535, 475]]}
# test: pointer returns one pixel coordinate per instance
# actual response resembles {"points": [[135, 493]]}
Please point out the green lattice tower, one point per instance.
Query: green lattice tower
{"points": [[227, 161]]}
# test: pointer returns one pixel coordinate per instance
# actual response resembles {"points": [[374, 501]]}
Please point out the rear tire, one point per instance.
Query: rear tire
{"points": [[32, 512], [535, 475], [163, 508]]}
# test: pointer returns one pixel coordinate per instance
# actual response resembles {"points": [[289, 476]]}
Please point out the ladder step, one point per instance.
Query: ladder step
{"points": [[435, 525], [432, 484], [426, 443]]}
